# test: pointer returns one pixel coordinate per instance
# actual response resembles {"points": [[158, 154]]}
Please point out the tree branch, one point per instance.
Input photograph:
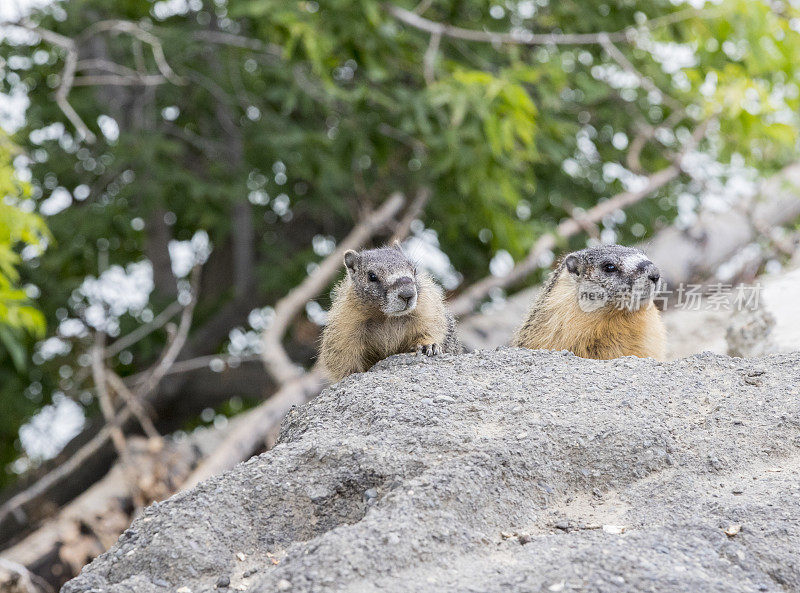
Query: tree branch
{"points": [[120, 26], [429, 59], [15, 504], [240, 41], [422, 6], [645, 134], [173, 349], [117, 80], [626, 65], [134, 404], [24, 582], [201, 362], [149, 381], [255, 424], [434, 28], [120, 75], [413, 212], [67, 77], [417, 21], [103, 397], [103, 65], [143, 331]]}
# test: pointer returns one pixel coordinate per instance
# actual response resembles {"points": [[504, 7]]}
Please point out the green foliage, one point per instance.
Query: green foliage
{"points": [[19, 320], [17, 228]]}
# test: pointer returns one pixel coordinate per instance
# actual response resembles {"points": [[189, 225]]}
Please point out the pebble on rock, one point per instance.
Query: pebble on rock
{"points": [[223, 582]]}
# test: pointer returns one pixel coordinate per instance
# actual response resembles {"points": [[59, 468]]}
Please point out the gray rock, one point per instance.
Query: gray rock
{"points": [[223, 582], [750, 333], [642, 470]]}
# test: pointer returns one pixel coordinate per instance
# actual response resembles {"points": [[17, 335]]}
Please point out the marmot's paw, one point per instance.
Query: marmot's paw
{"points": [[428, 349]]}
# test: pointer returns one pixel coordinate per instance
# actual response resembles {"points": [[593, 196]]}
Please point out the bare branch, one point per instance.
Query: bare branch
{"points": [[434, 28], [131, 28], [175, 346], [645, 134], [103, 65], [15, 504], [418, 146], [413, 212], [132, 338], [134, 403], [429, 60], [117, 80], [579, 214], [682, 15], [103, 397], [414, 19], [632, 158], [67, 74], [101, 512], [201, 362], [646, 82], [256, 424], [224, 116], [143, 331], [23, 581], [277, 361], [212, 149], [467, 301], [67, 78], [229, 39], [149, 381]]}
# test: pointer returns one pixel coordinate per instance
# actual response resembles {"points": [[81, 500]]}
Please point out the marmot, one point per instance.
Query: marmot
{"points": [[383, 307], [598, 303]]}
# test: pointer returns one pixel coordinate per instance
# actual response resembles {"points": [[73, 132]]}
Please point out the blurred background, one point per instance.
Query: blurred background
{"points": [[179, 180]]}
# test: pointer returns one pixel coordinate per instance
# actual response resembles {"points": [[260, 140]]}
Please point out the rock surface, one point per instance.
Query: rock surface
{"points": [[508, 470]]}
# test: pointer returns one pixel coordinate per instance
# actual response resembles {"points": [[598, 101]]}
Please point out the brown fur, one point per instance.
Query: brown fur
{"points": [[556, 322], [358, 334]]}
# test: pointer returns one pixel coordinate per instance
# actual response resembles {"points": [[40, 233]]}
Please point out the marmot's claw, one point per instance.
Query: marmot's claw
{"points": [[428, 349]]}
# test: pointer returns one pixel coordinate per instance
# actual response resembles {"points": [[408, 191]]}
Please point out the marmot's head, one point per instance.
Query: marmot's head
{"points": [[384, 278], [613, 277]]}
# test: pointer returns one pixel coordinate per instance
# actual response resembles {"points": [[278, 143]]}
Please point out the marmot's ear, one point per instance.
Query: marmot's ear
{"points": [[571, 264], [350, 259], [397, 245]]}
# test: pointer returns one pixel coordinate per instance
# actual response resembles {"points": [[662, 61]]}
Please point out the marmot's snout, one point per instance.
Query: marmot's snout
{"points": [[644, 280], [401, 298], [649, 270]]}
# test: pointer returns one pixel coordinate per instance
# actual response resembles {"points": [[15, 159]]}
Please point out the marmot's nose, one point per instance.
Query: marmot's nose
{"points": [[654, 276], [406, 289]]}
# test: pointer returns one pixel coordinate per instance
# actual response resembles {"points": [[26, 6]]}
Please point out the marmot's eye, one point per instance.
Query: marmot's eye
{"points": [[609, 268], [373, 277]]}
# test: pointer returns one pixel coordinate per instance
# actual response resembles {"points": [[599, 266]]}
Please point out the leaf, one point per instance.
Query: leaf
{"points": [[14, 347]]}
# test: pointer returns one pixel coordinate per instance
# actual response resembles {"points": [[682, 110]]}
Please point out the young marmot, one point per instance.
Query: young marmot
{"points": [[384, 307], [598, 303]]}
